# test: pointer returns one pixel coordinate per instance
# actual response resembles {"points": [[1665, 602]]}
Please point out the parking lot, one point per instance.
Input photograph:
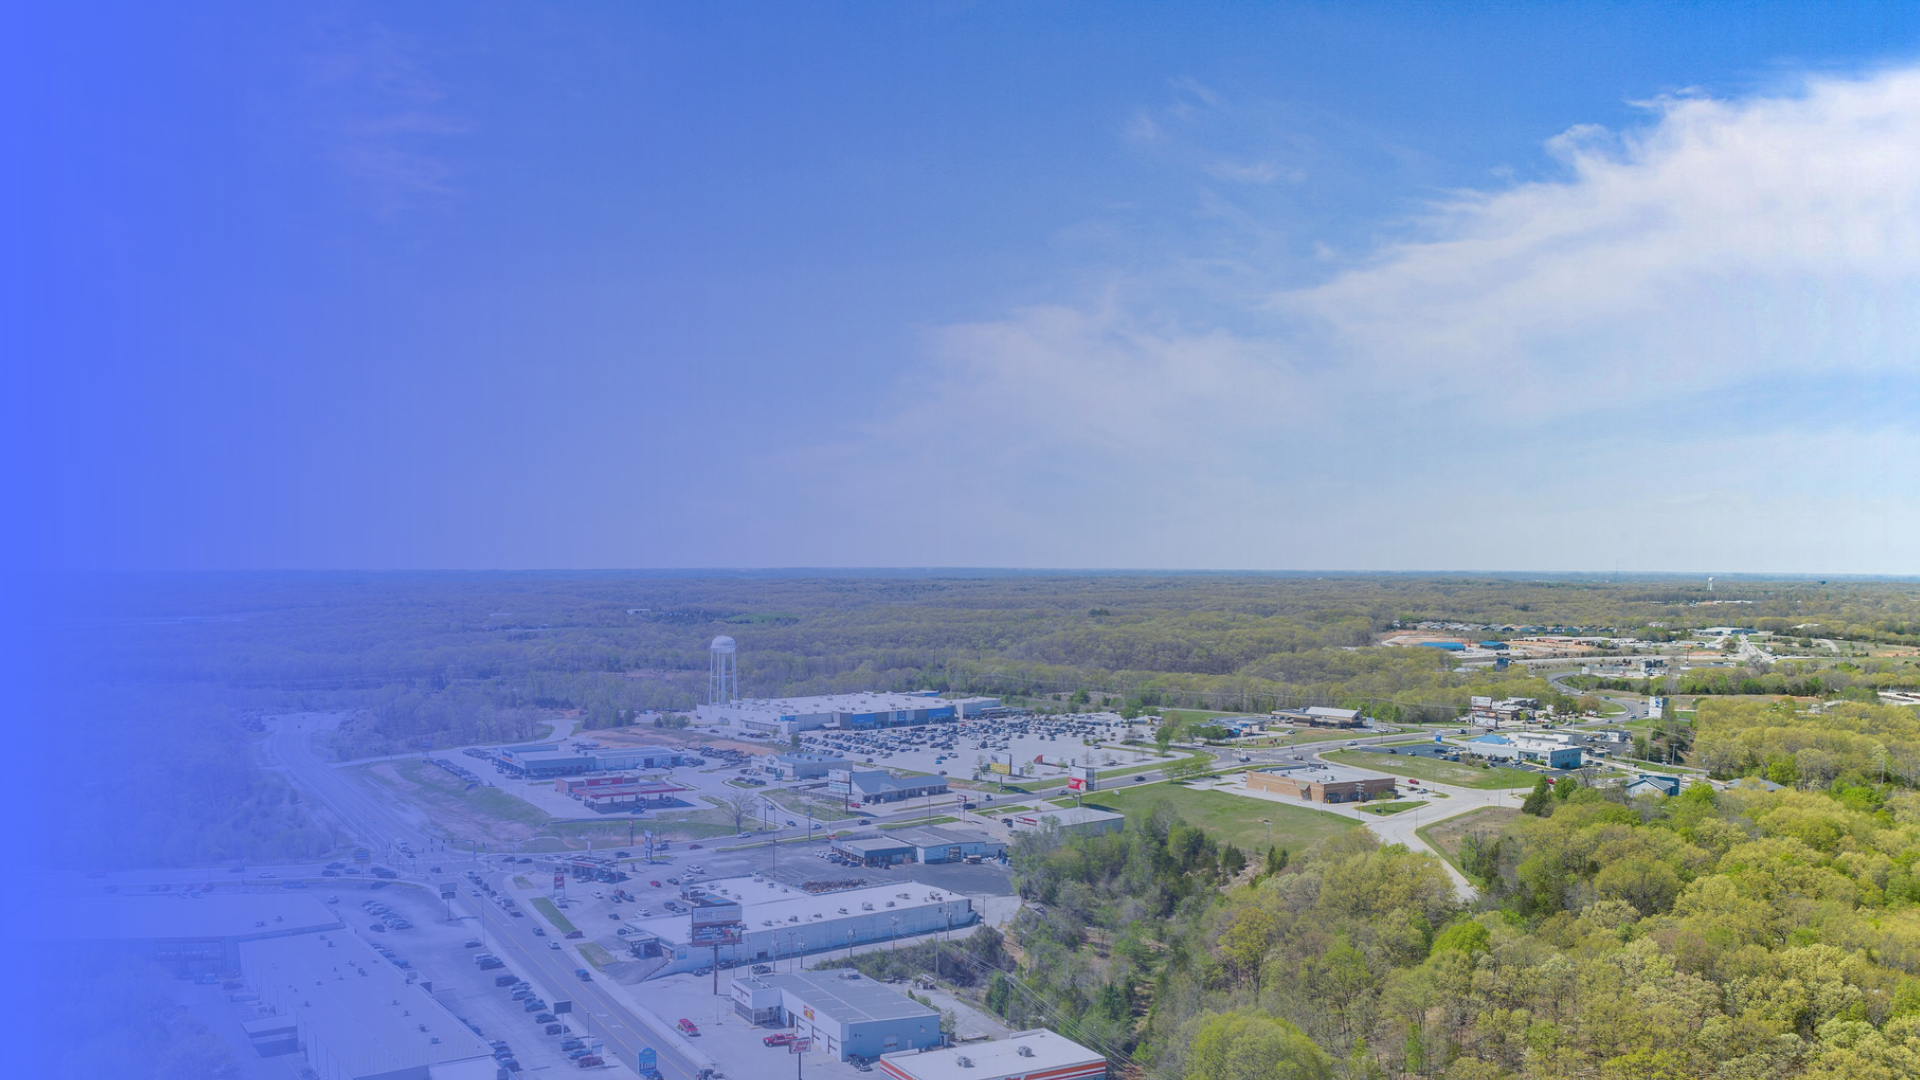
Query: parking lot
{"points": [[956, 748], [442, 954]]}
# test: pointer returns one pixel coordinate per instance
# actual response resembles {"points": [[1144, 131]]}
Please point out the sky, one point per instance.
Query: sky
{"points": [[1211, 286]]}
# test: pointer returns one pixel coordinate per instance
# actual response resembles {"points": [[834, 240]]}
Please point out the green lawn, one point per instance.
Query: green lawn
{"points": [[545, 907], [942, 819], [1440, 772], [595, 955], [1231, 818]]}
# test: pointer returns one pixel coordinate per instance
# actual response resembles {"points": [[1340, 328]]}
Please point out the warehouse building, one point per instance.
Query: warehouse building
{"points": [[942, 844], [1025, 1055], [1321, 783], [843, 1012], [876, 850], [611, 758], [1323, 716], [785, 717], [778, 921], [1070, 820], [545, 762]]}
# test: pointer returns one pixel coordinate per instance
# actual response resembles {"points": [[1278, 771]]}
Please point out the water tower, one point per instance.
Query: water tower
{"points": [[723, 671]]}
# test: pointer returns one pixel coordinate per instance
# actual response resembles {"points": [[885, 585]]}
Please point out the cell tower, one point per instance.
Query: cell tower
{"points": [[723, 671]]}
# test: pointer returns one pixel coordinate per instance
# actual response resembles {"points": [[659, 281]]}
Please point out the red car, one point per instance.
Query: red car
{"points": [[655, 884], [781, 1039], [590, 1061], [687, 1027]]}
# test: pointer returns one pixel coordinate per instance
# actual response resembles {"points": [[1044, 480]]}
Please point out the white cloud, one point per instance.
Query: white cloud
{"points": [[1721, 252]]}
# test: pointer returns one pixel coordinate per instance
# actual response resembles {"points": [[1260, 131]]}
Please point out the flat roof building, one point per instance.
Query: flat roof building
{"points": [[843, 1012], [1321, 783], [188, 937], [1070, 820], [357, 1016], [1555, 753], [942, 844], [786, 716], [779, 921], [1025, 1055], [876, 850], [1323, 716]]}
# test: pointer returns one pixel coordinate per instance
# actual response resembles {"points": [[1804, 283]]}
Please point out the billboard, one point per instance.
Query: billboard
{"points": [[1074, 783], [705, 937], [1656, 707]]}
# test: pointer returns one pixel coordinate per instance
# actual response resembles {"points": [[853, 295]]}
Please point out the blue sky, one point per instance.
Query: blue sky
{"points": [[1397, 286]]}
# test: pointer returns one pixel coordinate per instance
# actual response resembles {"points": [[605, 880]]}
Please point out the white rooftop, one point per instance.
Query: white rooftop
{"points": [[1046, 1052], [767, 905], [832, 703], [360, 1009], [147, 916]]}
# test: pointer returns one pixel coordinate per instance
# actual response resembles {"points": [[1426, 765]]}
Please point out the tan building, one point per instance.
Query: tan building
{"points": [[1321, 784]]}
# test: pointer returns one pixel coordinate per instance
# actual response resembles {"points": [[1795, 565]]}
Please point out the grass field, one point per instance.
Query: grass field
{"points": [[595, 955], [1395, 807], [1440, 772], [1447, 836], [545, 907], [1231, 818]]}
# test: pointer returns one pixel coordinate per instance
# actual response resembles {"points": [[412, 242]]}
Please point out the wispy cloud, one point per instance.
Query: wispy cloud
{"points": [[381, 115]]}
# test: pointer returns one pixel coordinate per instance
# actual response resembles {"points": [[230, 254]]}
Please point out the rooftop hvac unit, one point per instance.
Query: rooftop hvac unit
{"points": [[1025, 1051], [964, 1062]]}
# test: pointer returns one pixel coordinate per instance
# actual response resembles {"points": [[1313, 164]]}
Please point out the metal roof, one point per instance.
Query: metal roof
{"points": [[370, 1024], [846, 996], [1046, 1052]]}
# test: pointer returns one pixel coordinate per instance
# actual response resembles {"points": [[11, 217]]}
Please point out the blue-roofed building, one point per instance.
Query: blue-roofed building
{"points": [[1541, 749]]}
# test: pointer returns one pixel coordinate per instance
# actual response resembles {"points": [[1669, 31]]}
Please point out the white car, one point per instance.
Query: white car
{"points": [[554, 945]]}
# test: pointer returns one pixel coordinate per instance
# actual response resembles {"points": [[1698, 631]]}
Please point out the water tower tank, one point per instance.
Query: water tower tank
{"points": [[723, 671]]}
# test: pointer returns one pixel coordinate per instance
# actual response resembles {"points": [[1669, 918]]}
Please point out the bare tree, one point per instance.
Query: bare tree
{"points": [[741, 805]]}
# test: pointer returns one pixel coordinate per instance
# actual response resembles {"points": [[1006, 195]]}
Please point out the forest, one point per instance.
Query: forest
{"points": [[174, 670], [1715, 934]]}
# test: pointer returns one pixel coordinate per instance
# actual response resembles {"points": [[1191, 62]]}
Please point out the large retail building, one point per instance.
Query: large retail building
{"points": [[787, 716]]}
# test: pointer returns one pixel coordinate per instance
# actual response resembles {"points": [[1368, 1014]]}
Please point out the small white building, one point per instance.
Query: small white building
{"points": [[1070, 820], [1025, 1055]]}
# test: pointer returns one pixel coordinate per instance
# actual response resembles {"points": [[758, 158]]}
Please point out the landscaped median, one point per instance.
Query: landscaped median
{"points": [[595, 955], [546, 907]]}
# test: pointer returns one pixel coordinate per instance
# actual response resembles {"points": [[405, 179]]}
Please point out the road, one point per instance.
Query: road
{"points": [[289, 746], [597, 1010]]}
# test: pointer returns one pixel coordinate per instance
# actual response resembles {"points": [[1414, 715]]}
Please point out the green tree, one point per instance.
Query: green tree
{"points": [[1539, 799], [1249, 1046]]}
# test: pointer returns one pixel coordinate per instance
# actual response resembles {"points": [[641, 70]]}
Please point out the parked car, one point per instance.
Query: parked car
{"points": [[687, 1027], [591, 1061], [781, 1039], [576, 934]]}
